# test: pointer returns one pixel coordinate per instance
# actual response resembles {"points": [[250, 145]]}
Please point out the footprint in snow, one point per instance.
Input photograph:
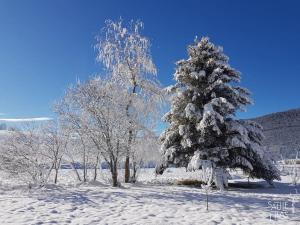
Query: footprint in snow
{"points": [[73, 209], [54, 211]]}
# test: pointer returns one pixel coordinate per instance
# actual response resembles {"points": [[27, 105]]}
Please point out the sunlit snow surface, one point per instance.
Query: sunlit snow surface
{"points": [[153, 200]]}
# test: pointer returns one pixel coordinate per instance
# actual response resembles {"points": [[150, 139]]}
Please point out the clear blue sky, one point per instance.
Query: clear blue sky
{"points": [[46, 45]]}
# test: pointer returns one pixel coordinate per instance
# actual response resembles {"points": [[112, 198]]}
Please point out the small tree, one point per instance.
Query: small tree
{"points": [[144, 150], [204, 102], [55, 141], [73, 122]]}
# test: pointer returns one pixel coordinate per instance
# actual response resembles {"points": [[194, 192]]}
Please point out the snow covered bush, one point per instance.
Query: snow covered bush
{"points": [[202, 120], [24, 156]]}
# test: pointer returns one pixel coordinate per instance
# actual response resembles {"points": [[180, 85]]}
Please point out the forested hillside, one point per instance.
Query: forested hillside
{"points": [[282, 132]]}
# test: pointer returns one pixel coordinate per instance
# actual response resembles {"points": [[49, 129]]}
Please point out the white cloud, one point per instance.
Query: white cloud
{"points": [[25, 119]]}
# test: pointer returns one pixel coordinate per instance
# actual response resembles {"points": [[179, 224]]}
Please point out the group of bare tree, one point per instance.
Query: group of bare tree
{"points": [[110, 117], [32, 152]]}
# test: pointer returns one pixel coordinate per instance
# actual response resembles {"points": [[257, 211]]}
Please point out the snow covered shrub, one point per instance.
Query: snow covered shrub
{"points": [[25, 157], [205, 99]]}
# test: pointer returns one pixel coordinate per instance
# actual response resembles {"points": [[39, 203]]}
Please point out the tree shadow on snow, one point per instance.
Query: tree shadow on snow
{"points": [[257, 198], [58, 194]]}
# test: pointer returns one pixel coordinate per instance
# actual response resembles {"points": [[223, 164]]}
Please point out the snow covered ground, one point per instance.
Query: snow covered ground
{"points": [[153, 200]]}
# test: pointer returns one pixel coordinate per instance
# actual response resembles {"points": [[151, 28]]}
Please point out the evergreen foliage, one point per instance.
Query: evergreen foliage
{"points": [[202, 121]]}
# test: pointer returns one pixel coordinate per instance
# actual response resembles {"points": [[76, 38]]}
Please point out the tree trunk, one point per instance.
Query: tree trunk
{"points": [[56, 174], [75, 170], [49, 172], [130, 135], [127, 169], [206, 201], [83, 159], [57, 167], [95, 173], [115, 179], [84, 166], [127, 162], [114, 174], [95, 169], [133, 178]]}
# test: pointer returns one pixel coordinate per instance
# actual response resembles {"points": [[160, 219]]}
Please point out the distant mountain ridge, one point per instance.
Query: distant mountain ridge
{"points": [[282, 133]]}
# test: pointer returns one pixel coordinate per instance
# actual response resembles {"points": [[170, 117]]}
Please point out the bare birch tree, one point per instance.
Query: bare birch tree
{"points": [[125, 53]]}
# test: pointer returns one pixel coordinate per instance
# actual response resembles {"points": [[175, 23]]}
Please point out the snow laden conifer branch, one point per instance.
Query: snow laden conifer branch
{"points": [[202, 120]]}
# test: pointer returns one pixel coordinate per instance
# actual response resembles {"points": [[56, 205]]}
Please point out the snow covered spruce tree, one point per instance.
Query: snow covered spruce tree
{"points": [[202, 120]]}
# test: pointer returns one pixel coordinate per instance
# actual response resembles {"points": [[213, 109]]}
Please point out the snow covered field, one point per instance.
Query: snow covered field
{"points": [[153, 200]]}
